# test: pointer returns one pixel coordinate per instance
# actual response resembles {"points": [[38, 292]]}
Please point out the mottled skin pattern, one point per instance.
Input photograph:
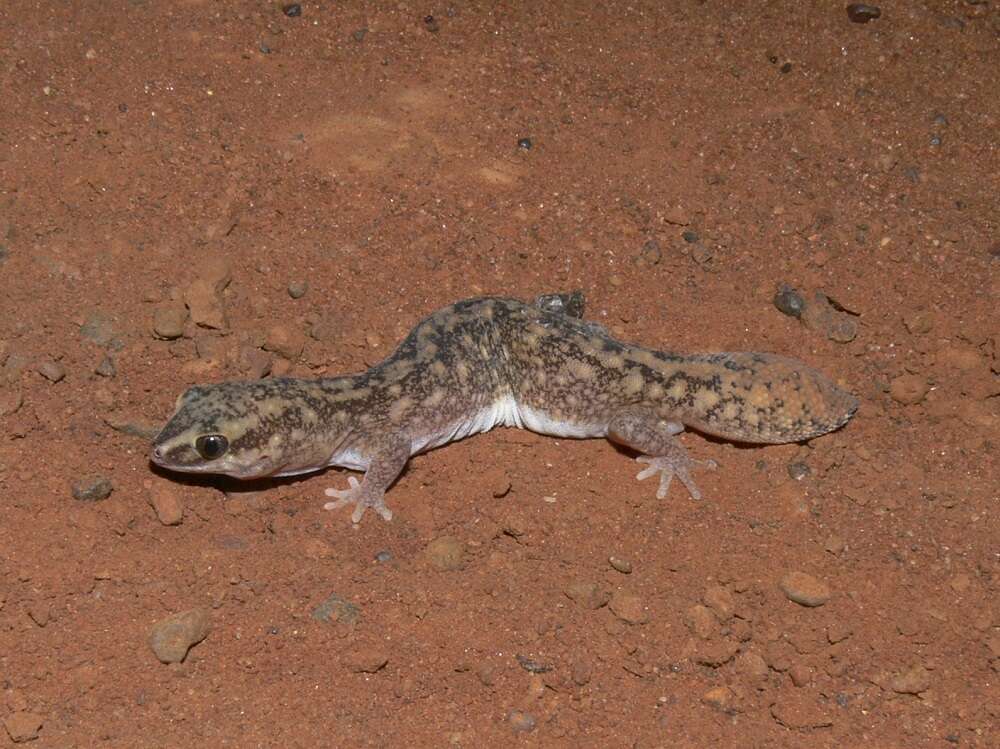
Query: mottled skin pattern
{"points": [[486, 362]]}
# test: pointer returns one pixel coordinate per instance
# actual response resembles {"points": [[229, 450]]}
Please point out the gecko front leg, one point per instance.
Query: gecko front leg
{"points": [[654, 438], [386, 463]]}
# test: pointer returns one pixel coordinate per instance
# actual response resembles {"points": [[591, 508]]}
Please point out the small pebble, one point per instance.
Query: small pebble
{"points": [[909, 389], [445, 553], [298, 289], [863, 13], [690, 237], [336, 609], [521, 721], [798, 470], [628, 607], [935, 140], [622, 565], [431, 24], [166, 505], [292, 10], [204, 301], [785, 68], [532, 666], [106, 368], [359, 35], [721, 601], [914, 681], [383, 556], [51, 370], [171, 638], [366, 661], [524, 144], [701, 621], [789, 301], [93, 489], [752, 665], [168, 322], [804, 589], [651, 252], [22, 726], [587, 594], [285, 341], [720, 698]]}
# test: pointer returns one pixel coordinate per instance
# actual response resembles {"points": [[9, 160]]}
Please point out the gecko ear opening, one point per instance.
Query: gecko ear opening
{"points": [[211, 446]]}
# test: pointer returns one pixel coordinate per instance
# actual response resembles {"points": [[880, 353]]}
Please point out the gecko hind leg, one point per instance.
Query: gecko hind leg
{"points": [[654, 438]]}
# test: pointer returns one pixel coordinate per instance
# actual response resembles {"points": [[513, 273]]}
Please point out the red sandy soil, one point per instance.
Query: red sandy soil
{"points": [[686, 159]]}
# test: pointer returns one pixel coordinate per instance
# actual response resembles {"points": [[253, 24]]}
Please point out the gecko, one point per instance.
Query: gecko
{"points": [[491, 361]]}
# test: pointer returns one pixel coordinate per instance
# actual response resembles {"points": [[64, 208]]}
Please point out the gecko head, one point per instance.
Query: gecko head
{"points": [[239, 429]]}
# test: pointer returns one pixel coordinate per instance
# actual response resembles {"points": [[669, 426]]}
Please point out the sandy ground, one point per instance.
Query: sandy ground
{"points": [[194, 191]]}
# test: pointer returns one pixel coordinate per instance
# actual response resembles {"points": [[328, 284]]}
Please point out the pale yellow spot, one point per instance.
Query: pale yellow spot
{"points": [[467, 340], [438, 368], [349, 395], [579, 369], [654, 391], [487, 311], [678, 391], [428, 349], [612, 361], [730, 411], [275, 441], [434, 398], [462, 370], [633, 382], [705, 398], [642, 356], [540, 377], [398, 409], [759, 396], [395, 390]]}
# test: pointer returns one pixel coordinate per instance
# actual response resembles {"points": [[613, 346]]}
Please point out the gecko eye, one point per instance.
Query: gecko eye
{"points": [[211, 446]]}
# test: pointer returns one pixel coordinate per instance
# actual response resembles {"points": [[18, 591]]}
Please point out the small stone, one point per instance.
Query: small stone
{"points": [[431, 24], [366, 661], [863, 13], [336, 609], [676, 215], [445, 553], [168, 321], [205, 303], [919, 323], [799, 711], [285, 341], [51, 370], [789, 301], [298, 289], [720, 698], [23, 726], [651, 253], [804, 589], [587, 594], [581, 672], [106, 368], [716, 653], [359, 35], [701, 621], [824, 316], [798, 470], [721, 601], [383, 556], [93, 489], [292, 10], [621, 565], [532, 666], [521, 721], [253, 362], [800, 674], [39, 612], [171, 638], [524, 144], [909, 389], [10, 402], [753, 666], [166, 505], [838, 632], [914, 681], [691, 237], [628, 607]]}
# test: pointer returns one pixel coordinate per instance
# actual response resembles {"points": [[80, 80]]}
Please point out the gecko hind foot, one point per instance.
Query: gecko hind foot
{"points": [[678, 464], [361, 496]]}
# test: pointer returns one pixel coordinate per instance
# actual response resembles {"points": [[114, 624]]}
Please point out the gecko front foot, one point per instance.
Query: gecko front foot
{"points": [[362, 496], [677, 463]]}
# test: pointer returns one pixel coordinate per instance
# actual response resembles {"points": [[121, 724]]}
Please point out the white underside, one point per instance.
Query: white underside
{"points": [[504, 412]]}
